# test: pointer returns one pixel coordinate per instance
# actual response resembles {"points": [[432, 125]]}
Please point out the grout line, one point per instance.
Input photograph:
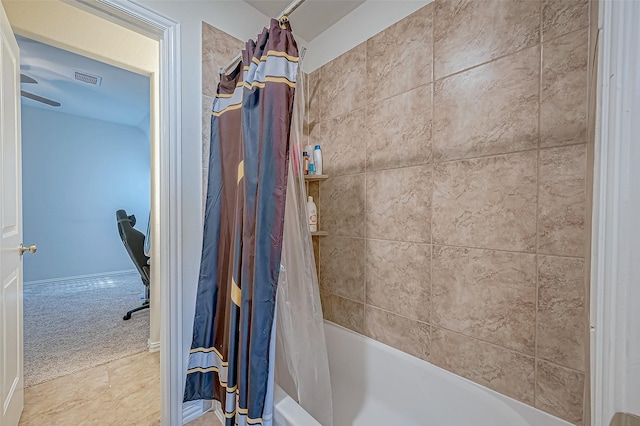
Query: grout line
{"points": [[535, 330], [457, 160], [411, 89], [547, 148], [431, 139], [484, 341], [458, 246], [353, 111], [364, 219], [564, 34], [479, 157], [394, 313], [564, 367], [400, 167], [430, 296], [497, 58]]}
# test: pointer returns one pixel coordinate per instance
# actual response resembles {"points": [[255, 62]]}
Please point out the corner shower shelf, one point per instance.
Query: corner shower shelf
{"points": [[313, 178], [316, 178]]}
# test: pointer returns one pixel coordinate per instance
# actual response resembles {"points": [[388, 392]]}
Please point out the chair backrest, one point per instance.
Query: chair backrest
{"points": [[133, 241]]}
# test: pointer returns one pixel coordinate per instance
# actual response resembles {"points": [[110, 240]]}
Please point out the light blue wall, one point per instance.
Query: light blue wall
{"points": [[76, 173]]}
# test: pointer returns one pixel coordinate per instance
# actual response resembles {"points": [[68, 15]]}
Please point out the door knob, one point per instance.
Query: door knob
{"points": [[31, 249]]}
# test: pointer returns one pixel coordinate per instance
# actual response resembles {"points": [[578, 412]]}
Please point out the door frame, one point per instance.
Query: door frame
{"points": [[615, 234], [167, 218]]}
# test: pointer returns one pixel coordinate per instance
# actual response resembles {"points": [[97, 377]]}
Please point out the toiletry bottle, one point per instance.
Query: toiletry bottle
{"points": [[312, 165], [305, 163], [312, 214], [317, 159]]}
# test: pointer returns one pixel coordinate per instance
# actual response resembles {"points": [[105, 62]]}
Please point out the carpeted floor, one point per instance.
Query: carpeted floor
{"points": [[74, 325]]}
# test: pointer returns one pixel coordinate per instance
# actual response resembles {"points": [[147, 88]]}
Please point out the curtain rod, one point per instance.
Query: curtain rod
{"points": [[285, 13]]}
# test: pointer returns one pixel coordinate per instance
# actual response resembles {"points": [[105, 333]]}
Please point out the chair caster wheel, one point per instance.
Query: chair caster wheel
{"points": [[126, 317]]}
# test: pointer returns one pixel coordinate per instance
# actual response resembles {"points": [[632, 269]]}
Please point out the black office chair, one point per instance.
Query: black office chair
{"points": [[133, 241]]}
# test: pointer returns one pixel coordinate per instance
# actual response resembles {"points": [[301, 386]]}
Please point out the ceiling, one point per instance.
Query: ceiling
{"points": [[313, 17], [121, 97]]}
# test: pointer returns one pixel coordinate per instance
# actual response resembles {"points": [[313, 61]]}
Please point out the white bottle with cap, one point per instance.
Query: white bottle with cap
{"points": [[312, 215], [317, 159]]}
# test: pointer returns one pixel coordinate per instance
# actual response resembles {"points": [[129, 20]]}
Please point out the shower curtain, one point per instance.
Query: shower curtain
{"points": [[302, 365], [232, 353]]}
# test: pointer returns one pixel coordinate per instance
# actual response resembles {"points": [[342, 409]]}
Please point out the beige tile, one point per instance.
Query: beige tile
{"points": [[313, 100], [562, 201], [341, 207], [399, 130], [399, 204], [492, 109], [563, 105], [398, 277], [218, 48], [343, 144], [66, 398], [344, 312], [123, 368], [563, 16], [110, 394], [560, 392], [497, 368], [342, 83], [313, 190], [487, 202], [399, 58], [129, 376], [486, 294], [561, 311], [208, 419], [469, 32], [402, 333], [207, 107], [342, 266]]}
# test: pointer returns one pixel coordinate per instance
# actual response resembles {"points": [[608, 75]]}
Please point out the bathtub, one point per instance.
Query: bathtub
{"points": [[411, 392]]}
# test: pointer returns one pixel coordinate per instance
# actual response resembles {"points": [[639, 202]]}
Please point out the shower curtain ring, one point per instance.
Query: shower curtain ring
{"points": [[283, 21]]}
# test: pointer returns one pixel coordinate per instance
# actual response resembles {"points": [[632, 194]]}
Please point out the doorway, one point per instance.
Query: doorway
{"points": [[85, 155], [166, 167]]}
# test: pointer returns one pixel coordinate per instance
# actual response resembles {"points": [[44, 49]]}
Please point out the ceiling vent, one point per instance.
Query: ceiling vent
{"points": [[88, 78]]}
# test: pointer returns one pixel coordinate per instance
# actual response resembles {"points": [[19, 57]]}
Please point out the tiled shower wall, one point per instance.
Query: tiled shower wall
{"points": [[456, 144]]}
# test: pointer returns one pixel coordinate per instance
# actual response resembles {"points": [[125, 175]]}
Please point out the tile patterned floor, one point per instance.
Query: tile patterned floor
{"points": [[125, 392], [209, 419], [122, 392]]}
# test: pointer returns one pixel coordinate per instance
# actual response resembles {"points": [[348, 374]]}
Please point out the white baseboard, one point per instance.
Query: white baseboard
{"points": [[153, 346], [219, 413], [191, 410], [78, 277]]}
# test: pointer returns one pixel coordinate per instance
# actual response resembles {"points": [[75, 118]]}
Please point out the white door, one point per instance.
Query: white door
{"points": [[11, 383]]}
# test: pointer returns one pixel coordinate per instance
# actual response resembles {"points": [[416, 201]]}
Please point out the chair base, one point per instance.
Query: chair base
{"points": [[145, 305]]}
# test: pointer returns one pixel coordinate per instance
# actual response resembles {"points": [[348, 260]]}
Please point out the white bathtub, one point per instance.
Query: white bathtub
{"points": [[376, 385]]}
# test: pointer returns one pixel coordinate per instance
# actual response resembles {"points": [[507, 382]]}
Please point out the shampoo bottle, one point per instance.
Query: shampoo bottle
{"points": [[312, 214], [317, 159]]}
